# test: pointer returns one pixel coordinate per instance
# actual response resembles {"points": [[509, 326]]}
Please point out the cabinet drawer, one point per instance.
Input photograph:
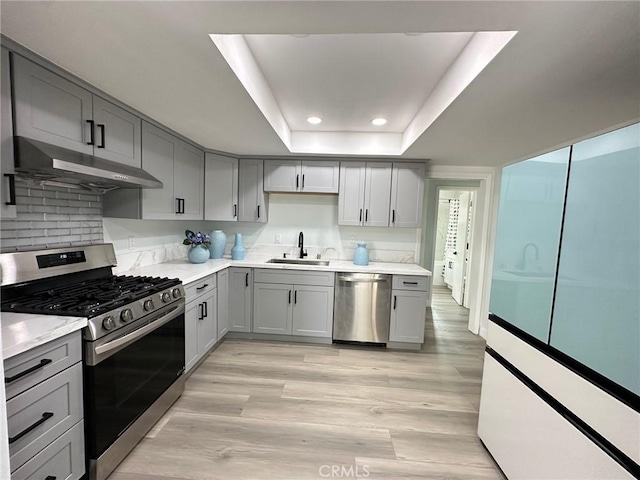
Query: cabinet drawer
{"points": [[194, 289], [295, 277], [63, 459], [410, 282], [41, 414], [32, 367]]}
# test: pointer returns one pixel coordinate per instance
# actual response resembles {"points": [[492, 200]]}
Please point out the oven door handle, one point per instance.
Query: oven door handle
{"points": [[104, 351]]}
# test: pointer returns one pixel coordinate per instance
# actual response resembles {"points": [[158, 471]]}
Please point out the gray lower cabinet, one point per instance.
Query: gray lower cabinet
{"points": [[45, 411], [223, 303], [408, 308], [284, 308], [200, 318], [240, 299], [273, 308], [313, 311], [7, 173]]}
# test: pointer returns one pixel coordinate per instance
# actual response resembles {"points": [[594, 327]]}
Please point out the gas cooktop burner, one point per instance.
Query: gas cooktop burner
{"points": [[89, 298]]}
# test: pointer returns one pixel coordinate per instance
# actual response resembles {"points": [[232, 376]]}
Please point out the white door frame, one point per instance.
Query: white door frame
{"points": [[482, 236]]}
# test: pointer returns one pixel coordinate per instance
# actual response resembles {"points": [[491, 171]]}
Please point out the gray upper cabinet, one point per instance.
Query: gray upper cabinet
{"points": [[288, 176], [407, 190], [180, 168], [7, 182], [365, 190], [118, 133], [281, 175], [55, 110], [221, 187], [188, 186], [251, 197]]}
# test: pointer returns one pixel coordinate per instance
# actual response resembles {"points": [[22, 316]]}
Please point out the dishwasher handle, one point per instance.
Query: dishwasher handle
{"points": [[359, 278]]}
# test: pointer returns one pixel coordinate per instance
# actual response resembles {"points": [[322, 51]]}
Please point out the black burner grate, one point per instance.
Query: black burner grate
{"points": [[88, 298]]}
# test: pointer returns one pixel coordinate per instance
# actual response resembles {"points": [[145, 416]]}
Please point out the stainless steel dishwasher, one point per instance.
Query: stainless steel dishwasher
{"points": [[362, 307]]}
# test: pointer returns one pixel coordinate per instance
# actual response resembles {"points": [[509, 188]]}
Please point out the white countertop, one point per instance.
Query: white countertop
{"points": [[21, 332], [189, 272], [24, 331]]}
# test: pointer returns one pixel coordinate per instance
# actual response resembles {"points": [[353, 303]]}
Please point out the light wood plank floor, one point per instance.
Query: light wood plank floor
{"points": [[268, 410]]}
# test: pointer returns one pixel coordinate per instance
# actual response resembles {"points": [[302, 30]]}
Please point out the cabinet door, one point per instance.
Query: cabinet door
{"points": [[282, 176], [351, 194], [223, 303], [407, 316], [189, 180], [272, 308], [191, 320], [158, 152], [6, 137], [320, 177], [407, 188], [377, 195], [220, 187], [251, 198], [49, 108], [122, 131], [207, 323], [240, 298], [313, 311]]}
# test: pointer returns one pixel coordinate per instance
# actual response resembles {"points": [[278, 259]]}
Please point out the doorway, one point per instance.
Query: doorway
{"points": [[453, 237]]}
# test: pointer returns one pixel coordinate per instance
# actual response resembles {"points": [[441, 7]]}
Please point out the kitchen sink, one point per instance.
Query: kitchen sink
{"points": [[299, 261]]}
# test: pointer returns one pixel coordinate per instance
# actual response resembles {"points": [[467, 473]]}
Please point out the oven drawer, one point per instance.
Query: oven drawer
{"points": [[41, 414], [62, 460], [32, 367], [410, 282], [194, 289]]}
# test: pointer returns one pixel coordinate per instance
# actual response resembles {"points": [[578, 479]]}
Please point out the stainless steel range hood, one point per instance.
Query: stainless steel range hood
{"points": [[41, 162]]}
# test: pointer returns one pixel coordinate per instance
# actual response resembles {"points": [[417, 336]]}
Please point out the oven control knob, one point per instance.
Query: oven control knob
{"points": [[126, 315], [176, 293], [166, 297], [109, 323], [148, 305]]}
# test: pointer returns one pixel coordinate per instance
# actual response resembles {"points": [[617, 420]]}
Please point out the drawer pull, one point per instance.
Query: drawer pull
{"points": [[50, 477], [203, 286], [410, 283], [45, 416], [43, 362]]}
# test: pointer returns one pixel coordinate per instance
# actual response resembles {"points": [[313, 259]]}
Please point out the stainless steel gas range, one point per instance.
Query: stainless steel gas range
{"points": [[133, 345]]}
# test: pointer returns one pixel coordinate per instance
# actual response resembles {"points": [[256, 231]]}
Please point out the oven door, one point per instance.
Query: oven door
{"points": [[125, 373]]}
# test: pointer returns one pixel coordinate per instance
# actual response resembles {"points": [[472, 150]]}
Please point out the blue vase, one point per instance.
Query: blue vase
{"points": [[218, 244], [198, 254], [238, 251], [361, 255]]}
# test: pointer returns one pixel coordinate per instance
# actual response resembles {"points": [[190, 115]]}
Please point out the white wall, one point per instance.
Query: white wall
{"points": [[289, 214]]}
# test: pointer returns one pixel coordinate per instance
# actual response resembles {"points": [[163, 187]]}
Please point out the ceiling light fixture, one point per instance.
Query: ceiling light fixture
{"points": [[314, 120], [379, 121]]}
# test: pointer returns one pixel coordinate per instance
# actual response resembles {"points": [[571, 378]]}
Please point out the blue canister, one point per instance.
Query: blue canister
{"points": [[198, 254], [238, 251], [218, 244], [361, 255]]}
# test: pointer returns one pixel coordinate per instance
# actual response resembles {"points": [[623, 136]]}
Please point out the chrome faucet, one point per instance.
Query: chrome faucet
{"points": [[522, 265], [303, 252]]}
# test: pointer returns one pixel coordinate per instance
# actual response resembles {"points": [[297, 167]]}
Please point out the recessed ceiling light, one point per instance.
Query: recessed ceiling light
{"points": [[379, 121], [314, 120]]}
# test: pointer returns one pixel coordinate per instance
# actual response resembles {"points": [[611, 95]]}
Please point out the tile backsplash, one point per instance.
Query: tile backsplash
{"points": [[50, 217]]}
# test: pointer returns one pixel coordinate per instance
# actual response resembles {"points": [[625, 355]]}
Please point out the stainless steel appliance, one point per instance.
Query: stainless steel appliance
{"points": [[133, 346], [362, 307]]}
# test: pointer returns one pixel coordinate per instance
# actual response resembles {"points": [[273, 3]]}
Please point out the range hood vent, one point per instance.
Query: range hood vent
{"points": [[41, 162]]}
